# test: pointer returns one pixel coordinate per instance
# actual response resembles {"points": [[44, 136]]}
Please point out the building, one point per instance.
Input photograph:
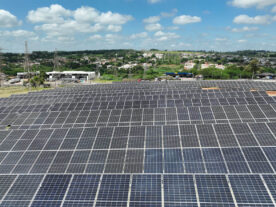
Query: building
{"points": [[25, 75], [189, 65], [127, 66], [207, 65], [71, 75]]}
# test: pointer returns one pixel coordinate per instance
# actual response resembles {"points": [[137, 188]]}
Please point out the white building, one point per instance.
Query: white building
{"points": [[71, 75], [159, 55], [147, 55], [207, 65], [222, 67], [127, 66], [189, 65]]}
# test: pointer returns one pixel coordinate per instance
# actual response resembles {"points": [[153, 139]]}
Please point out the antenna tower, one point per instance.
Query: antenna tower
{"points": [[56, 61], [26, 62]]}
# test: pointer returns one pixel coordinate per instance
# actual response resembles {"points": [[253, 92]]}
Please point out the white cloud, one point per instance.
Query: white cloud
{"points": [[58, 21], [243, 29], [89, 14], [8, 20], [86, 14], [186, 19], [139, 35], [19, 34], [173, 28], [53, 14], [159, 33], [114, 28], [153, 27], [242, 41], [169, 14], [154, 1], [164, 36], [252, 3], [221, 39], [113, 18], [245, 19], [273, 9], [151, 20], [95, 37]]}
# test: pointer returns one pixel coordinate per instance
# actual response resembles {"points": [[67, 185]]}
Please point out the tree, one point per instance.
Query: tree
{"points": [[253, 67], [37, 81]]}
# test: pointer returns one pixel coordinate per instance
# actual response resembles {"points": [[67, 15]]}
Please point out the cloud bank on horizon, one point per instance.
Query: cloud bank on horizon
{"points": [[139, 24]]}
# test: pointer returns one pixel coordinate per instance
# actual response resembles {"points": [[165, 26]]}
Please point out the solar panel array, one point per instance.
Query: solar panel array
{"points": [[140, 144]]}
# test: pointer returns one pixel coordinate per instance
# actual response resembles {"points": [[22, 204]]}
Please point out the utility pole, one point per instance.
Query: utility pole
{"points": [[27, 62], [1, 72], [145, 71], [56, 65]]}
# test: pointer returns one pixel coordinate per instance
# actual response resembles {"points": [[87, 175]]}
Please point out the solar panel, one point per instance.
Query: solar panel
{"points": [[131, 144], [213, 189], [249, 189]]}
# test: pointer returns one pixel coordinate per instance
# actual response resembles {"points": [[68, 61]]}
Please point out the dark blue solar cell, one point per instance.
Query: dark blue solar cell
{"points": [[216, 167], [233, 155], [213, 188], [53, 187], [256, 205], [194, 167], [192, 155], [254, 154], [145, 204], [179, 188], [249, 189], [24, 187], [46, 204], [83, 187], [173, 161], [114, 188], [146, 188], [271, 184], [78, 204], [212, 155], [111, 204], [180, 205], [217, 205], [15, 203], [5, 183], [172, 155], [153, 161], [270, 153], [238, 167], [170, 130], [260, 167]]}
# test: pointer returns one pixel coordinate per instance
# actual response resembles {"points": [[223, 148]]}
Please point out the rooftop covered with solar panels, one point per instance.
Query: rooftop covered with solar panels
{"points": [[165, 144]]}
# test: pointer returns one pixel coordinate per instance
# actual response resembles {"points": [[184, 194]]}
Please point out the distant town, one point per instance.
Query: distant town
{"points": [[123, 65]]}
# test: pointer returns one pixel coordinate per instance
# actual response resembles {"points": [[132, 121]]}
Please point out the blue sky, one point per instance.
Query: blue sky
{"points": [[221, 25]]}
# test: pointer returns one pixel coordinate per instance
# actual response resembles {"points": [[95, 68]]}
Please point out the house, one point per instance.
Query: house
{"points": [[127, 66], [25, 75], [71, 75], [207, 65], [189, 65]]}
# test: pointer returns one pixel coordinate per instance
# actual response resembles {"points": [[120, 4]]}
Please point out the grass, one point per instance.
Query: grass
{"points": [[99, 81], [8, 91]]}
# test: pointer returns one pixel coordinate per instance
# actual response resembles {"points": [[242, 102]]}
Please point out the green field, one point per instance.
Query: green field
{"points": [[8, 91]]}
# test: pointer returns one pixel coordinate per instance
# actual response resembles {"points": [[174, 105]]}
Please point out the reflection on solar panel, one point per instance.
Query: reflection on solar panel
{"points": [[139, 145]]}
